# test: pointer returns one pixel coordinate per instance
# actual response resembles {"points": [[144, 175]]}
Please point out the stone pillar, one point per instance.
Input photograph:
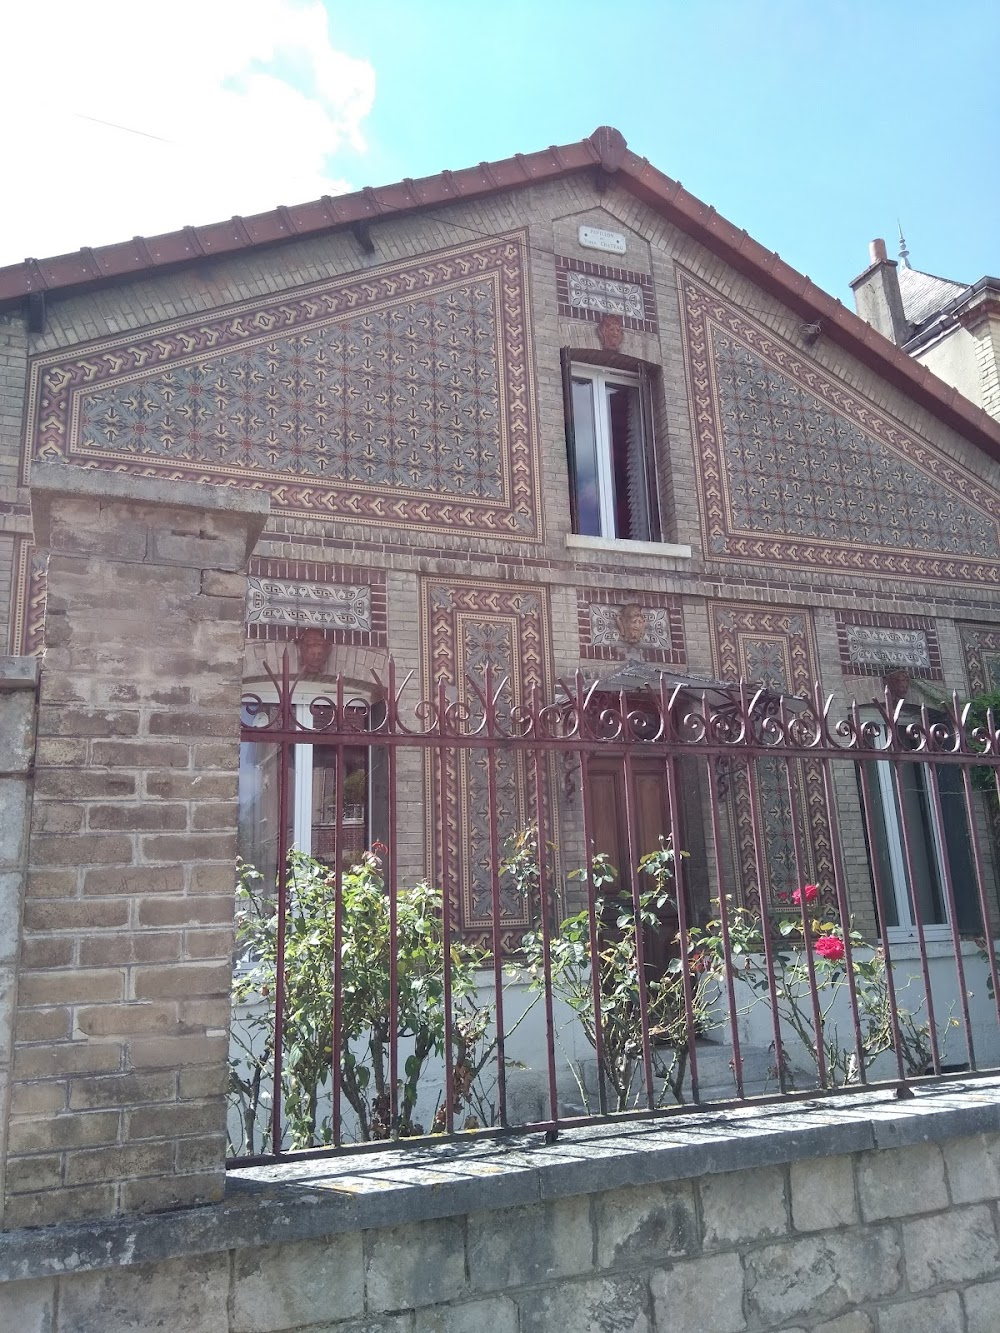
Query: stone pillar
{"points": [[122, 1010], [18, 683]]}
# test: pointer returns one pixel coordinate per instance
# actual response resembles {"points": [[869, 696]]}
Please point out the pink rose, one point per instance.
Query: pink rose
{"points": [[810, 891], [830, 947]]}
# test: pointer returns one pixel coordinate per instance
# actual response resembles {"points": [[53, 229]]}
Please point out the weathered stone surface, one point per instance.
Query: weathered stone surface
{"points": [[27, 1307], [855, 1322], [950, 1247], [739, 1206], [982, 1307], [821, 1275], [613, 1304], [973, 1170], [415, 1265], [928, 1314], [498, 1314], [823, 1194], [645, 1225], [700, 1294], [898, 1182], [281, 1286], [183, 1295], [516, 1246]]}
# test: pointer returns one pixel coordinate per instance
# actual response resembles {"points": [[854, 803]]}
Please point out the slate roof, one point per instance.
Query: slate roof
{"points": [[924, 294], [604, 152]]}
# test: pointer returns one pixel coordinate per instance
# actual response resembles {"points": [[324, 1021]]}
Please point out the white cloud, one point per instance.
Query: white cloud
{"points": [[227, 106]]}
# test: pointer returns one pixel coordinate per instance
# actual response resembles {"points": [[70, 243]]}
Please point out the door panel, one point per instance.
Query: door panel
{"points": [[610, 834]]}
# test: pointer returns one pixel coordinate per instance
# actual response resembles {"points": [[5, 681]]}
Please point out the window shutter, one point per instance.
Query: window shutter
{"points": [[565, 361], [652, 489]]}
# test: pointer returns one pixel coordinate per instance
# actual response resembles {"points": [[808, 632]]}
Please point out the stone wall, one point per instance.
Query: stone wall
{"points": [[124, 957], [864, 1216], [18, 688]]}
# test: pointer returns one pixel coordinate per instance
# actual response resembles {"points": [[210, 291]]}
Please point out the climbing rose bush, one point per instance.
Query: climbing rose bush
{"points": [[809, 984]]}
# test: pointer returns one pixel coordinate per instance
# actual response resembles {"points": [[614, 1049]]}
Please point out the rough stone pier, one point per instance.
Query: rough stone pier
{"points": [[859, 1214]]}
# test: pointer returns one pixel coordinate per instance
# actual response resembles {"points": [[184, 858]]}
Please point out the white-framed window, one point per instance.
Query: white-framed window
{"points": [[312, 796], [936, 841], [610, 453]]}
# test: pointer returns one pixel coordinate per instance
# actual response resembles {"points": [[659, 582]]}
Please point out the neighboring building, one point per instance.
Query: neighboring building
{"points": [[951, 328], [755, 483]]}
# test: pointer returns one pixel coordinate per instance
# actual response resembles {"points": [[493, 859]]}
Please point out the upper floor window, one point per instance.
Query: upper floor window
{"points": [[609, 435]]}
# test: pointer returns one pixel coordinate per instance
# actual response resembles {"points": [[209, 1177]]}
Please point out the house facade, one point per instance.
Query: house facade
{"points": [[550, 415]]}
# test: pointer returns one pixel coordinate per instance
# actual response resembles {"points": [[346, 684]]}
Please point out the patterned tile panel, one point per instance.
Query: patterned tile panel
{"points": [[589, 291], [797, 469], [28, 588], [872, 642], [399, 398], [774, 647], [617, 626], [981, 646], [467, 626], [285, 597]]}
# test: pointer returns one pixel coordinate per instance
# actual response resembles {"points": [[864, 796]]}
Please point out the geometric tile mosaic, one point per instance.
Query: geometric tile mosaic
{"points": [[618, 626], [774, 647], [797, 469], [402, 397], [27, 599], [466, 626], [872, 643], [981, 646], [287, 596]]}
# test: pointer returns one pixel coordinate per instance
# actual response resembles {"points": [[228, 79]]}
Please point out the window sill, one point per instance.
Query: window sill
{"points": [[905, 946], [618, 546]]}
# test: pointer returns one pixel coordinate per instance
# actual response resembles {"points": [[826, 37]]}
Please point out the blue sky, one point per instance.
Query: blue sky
{"points": [[812, 125]]}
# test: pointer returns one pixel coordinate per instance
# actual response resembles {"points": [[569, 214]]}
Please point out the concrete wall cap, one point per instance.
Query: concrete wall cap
{"points": [[52, 481], [18, 673]]}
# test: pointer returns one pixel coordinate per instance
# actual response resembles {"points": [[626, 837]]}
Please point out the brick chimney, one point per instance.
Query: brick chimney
{"points": [[877, 297]]}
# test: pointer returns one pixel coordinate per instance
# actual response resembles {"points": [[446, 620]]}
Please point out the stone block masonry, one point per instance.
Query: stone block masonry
{"points": [[18, 701], [859, 1216], [124, 962]]}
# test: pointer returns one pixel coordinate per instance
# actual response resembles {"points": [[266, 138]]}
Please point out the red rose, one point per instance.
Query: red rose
{"points": [[810, 891], [830, 947]]}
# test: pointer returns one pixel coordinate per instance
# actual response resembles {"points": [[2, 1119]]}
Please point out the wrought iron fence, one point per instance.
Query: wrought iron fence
{"points": [[483, 912]]}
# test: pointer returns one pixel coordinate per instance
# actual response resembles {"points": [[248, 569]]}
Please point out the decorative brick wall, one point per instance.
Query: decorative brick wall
{"points": [[122, 1016]]}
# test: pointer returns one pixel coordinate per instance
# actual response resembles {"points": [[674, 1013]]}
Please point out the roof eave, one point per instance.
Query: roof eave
{"points": [[605, 150]]}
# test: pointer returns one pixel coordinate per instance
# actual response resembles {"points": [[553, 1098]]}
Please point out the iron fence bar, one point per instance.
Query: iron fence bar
{"points": [[880, 909], [680, 881], [449, 1034], [807, 947], [986, 915], [844, 912], [338, 946], [949, 889], [496, 905], [595, 946], [392, 871], [918, 916], [714, 801], [545, 908], [284, 812], [765, 921], [640, 949]]}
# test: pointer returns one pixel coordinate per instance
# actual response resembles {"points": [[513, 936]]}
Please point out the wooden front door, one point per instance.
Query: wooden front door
{"points": [[650, 822]]}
